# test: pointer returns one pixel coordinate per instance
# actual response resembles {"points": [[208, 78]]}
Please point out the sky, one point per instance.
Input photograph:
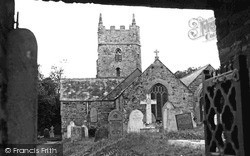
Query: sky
{"points": [[67, 35]]}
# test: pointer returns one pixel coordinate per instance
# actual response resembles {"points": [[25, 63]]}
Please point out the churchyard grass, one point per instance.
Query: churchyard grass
{"points": [[145, 144], [192, 134]]}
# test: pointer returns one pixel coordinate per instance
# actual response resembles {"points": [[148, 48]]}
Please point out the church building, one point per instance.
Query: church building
{"points": [[121, 84]]}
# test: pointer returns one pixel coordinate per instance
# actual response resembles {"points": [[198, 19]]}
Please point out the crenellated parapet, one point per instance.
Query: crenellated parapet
{"points": [[120, 35], [119, 50]]}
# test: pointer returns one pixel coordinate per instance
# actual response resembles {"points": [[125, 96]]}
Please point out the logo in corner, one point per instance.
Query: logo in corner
{"points": [[202, 27]]}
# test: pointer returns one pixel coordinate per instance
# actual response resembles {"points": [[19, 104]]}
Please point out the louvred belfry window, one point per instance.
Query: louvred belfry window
{"points": [[118, 55]]}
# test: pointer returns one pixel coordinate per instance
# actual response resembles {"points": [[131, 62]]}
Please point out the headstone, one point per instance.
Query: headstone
{"points": [[101, 133], [46, 133], [135, 122], [148, 103], [76, 133], [69, 128], [115, 124], [93, 115], [85, 131], [51, 132], [168, 117], [184, 121]]}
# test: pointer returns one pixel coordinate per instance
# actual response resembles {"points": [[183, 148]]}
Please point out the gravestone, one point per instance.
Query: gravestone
{"points": [[115, 124], [135, 122], [184, 121], [69, 128], [101, 133], [85, 131], [46, 133], [148, 102], [76, 133], [168, 117], [93, 115], [51, 132]]}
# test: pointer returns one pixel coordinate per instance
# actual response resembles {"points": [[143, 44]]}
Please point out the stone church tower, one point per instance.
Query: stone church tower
{"points": [[119, 50]]}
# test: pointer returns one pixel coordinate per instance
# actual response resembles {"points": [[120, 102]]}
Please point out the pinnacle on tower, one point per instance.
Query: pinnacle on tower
{"points": [[100, 19], [133, 20]]}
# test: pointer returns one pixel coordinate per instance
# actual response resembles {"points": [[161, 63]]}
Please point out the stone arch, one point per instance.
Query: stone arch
{"points": [[155, 81]]}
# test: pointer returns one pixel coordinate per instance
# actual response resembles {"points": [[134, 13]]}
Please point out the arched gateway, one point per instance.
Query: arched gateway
{"points": [[160, 94]]}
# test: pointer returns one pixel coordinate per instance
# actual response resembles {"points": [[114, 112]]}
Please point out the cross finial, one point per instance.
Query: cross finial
{"points": [[156, 54]]}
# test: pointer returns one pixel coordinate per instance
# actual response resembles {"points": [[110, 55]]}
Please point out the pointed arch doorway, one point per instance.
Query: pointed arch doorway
{"points": [[160, 94]]}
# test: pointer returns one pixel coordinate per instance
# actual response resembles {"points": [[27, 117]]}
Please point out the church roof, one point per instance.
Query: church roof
{"points": [[188, 79], [87, 89], [127, 81]]}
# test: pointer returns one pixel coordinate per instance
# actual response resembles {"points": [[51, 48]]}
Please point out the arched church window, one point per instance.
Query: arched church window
{"points": [[118, 55], [118, 72], [160, 94]]}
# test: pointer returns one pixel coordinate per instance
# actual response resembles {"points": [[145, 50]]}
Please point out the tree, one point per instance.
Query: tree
{"points": [[181, 74], [48, 100]]}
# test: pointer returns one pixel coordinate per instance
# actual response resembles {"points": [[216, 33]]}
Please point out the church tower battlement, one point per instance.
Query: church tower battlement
{"points": [[119, 50]]}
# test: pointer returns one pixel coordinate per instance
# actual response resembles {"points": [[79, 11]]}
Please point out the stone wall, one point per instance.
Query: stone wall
{"points": [[198, 80], [79, 112], [178, 94], [233, 32], [128, 41], [73, 111]]}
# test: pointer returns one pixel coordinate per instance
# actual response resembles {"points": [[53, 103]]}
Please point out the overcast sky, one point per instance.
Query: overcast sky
{"points": [[69, 31]]}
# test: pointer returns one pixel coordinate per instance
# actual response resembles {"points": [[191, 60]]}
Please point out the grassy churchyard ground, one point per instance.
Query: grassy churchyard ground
{"points": [[141, 144]]}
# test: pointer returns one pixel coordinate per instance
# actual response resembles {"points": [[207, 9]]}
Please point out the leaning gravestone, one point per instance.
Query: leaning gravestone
{"points": [[76, 133], [184, 121], [135, 123], [101, 133], [93, 115], [115, 124]]}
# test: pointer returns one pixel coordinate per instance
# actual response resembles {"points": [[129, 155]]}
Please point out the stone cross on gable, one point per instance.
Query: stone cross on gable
{"points": [[148, 103], [156, 54]]}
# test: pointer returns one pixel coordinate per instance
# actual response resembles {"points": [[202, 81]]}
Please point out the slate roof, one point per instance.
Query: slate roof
{"points": [[120, 88], [87, 89], [188, 79]]}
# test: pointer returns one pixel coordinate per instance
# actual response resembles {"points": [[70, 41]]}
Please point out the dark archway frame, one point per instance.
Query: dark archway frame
{"points": [[232, 30]]}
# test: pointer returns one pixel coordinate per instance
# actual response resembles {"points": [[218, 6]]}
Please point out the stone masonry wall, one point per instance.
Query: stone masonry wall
{"points": [[129, 43], [79, 112], [106, 64], [195, 84], [73, 111], [233, 33], [178, 94]]}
